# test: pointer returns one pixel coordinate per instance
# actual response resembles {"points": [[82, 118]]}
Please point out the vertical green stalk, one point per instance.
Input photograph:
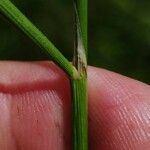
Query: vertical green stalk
{"points": [[79, 85], [81, 7], [80, 123]]}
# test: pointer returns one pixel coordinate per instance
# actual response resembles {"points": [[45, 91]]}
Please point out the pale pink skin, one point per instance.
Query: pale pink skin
{"points": [[35, 109]]}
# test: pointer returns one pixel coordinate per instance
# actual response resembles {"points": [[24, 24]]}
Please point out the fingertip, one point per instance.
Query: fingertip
{"points": [[113, 87], [119, 111]]}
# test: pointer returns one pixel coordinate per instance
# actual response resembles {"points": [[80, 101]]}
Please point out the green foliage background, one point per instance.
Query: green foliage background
{"points": [[119, 33]]}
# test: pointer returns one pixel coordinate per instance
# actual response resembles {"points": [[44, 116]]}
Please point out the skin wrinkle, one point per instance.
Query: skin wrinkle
{"points": [[5, 124], [54, 111], [143, 123]]}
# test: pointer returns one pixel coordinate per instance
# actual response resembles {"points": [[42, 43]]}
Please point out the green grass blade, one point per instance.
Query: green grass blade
{"points": [[15, 15]]}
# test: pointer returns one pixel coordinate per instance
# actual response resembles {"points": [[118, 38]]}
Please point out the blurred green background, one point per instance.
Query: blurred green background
{"points": [[119, 34]]}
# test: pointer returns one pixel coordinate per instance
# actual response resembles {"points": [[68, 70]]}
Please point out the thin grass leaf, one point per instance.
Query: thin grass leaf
{"points": [[21, 21]]}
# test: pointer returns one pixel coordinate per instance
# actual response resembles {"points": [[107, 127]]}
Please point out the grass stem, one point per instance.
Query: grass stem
{"points": [[79, 86]]}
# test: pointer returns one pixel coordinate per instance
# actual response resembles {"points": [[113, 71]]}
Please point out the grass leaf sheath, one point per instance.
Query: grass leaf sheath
{"points": [[80, 124]]}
